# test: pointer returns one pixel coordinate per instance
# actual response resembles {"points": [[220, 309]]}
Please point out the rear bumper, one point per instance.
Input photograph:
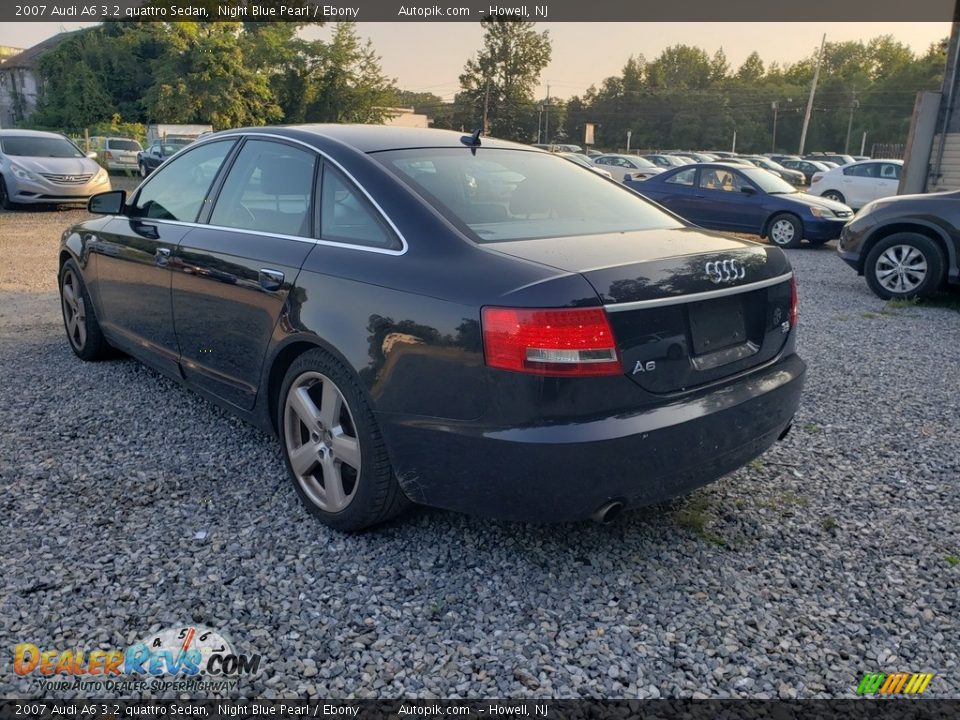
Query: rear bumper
{"points": [[548, 473]]}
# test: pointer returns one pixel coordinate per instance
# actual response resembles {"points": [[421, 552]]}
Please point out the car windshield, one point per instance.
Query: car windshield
{"points": [[38, 146], [641, 162], [768, 182], [499, 195], [167, 150]]}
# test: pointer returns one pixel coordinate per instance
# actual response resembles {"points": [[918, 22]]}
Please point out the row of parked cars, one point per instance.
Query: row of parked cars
{"points": [[905, 246], [38, 168]]}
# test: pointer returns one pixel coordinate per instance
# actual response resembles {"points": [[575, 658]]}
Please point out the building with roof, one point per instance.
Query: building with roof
{"points": [[20, 80]]}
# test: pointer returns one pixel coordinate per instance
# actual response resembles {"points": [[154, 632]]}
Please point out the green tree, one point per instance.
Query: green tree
{"points": [[73, 96], [203, 78], [502, 77], [347, 83]]}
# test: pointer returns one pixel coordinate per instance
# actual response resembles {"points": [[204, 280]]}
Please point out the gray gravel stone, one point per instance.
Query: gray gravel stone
{"points": [[826, 558]]}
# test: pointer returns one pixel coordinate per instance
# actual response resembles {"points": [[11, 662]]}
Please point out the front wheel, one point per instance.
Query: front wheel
{"points": [[332, 446], [5, 201], [785, 230], [143, 170], [903, 266], [83, 329]]}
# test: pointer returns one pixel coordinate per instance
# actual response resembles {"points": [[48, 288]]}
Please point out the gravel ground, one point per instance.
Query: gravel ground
{"points": [[834, 554]]}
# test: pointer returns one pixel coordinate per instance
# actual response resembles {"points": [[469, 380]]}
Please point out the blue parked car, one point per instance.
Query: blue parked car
{"points": [[745, 199]]}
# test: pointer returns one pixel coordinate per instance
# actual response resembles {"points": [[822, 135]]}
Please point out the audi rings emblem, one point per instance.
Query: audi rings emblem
{"points": [[724, 271]]}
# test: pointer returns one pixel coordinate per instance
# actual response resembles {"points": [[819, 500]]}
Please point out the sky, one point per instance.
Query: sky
{"points": [[428, 57]]}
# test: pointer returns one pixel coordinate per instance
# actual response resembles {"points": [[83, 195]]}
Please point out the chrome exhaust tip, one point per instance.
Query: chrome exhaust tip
{"points": [[608, 512]]}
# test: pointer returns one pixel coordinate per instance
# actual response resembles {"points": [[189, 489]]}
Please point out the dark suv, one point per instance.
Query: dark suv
{"points": [[906, 246]]}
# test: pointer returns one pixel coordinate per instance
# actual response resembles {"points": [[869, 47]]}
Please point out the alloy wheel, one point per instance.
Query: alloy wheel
{"points": [[901, 269], [782, 232], [74, 311], [321, 441]]}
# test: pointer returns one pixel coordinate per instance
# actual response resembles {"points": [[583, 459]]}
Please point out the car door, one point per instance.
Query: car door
{"points": [[674, 192], [888, 180], [719, 201], [859, 183], [233, 274], [131, 255]]}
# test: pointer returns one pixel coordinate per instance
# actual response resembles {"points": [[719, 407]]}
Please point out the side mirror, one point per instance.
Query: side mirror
{"points": [[749, 190], [108, 203], [92, 154]]}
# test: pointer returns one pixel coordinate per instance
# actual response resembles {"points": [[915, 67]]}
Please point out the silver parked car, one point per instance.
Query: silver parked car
{"points": [[119, 154], [42, 167]]}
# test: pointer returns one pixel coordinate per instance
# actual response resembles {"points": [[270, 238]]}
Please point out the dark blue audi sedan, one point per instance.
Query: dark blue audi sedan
{"points": [[430, 317], [746, 199]]}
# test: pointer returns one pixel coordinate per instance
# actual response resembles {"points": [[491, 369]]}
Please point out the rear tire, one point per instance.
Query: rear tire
{"points": [[143, 170], [835, 195], [785, 230], [903, 266], [79, 321], [332, 446]]}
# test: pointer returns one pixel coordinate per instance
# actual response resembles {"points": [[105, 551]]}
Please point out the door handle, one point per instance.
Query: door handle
{"points": [[162, 255], [271, 279]]}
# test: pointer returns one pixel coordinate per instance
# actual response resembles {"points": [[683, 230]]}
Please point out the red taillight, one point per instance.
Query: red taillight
{"points": [[794, 302], [550, 342], [816, 178]]}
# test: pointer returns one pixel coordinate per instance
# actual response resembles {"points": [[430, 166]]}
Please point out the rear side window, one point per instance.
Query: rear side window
{"points": [[499, 195], [346, 216], [684, 177], [176, 191], [270, 189], [869, 170]]}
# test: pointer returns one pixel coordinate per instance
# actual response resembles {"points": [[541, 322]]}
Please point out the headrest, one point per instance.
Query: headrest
{"points": [[288, 175]]}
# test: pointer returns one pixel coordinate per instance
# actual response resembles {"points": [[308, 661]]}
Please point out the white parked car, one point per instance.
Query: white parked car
{"points": [[619, 166], [858, 183], [584, 161]]}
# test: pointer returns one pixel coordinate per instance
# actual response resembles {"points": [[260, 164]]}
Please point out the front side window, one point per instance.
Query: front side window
{"points": [[499, 195], [890, 171], [177, 189], [269, 188]]}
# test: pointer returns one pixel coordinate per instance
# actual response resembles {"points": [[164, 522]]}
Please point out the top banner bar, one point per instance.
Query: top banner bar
{"points": [[310, 11]]}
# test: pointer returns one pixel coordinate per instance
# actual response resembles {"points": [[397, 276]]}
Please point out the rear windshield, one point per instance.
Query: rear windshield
{"points": [[500, 195], [26, 146], [125, 145]]}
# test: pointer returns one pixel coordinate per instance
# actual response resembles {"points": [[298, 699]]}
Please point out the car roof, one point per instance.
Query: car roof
{"points": [[375, 138]]}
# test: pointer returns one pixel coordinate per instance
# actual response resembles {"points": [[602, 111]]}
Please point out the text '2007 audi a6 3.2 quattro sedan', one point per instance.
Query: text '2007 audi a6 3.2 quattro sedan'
{"points": [[440, 318]]}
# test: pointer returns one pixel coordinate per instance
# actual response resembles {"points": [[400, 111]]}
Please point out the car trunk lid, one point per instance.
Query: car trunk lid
{"points": [[687, 307]]}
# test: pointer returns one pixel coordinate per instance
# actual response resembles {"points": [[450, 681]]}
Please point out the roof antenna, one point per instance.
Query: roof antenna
{"points": [[473, 140]]}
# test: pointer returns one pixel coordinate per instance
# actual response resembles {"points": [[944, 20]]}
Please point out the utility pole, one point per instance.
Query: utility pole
{"points": [[486, 108], [539, 122], [813, 90], [776, 106], [546, 119], [854, 103]]}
